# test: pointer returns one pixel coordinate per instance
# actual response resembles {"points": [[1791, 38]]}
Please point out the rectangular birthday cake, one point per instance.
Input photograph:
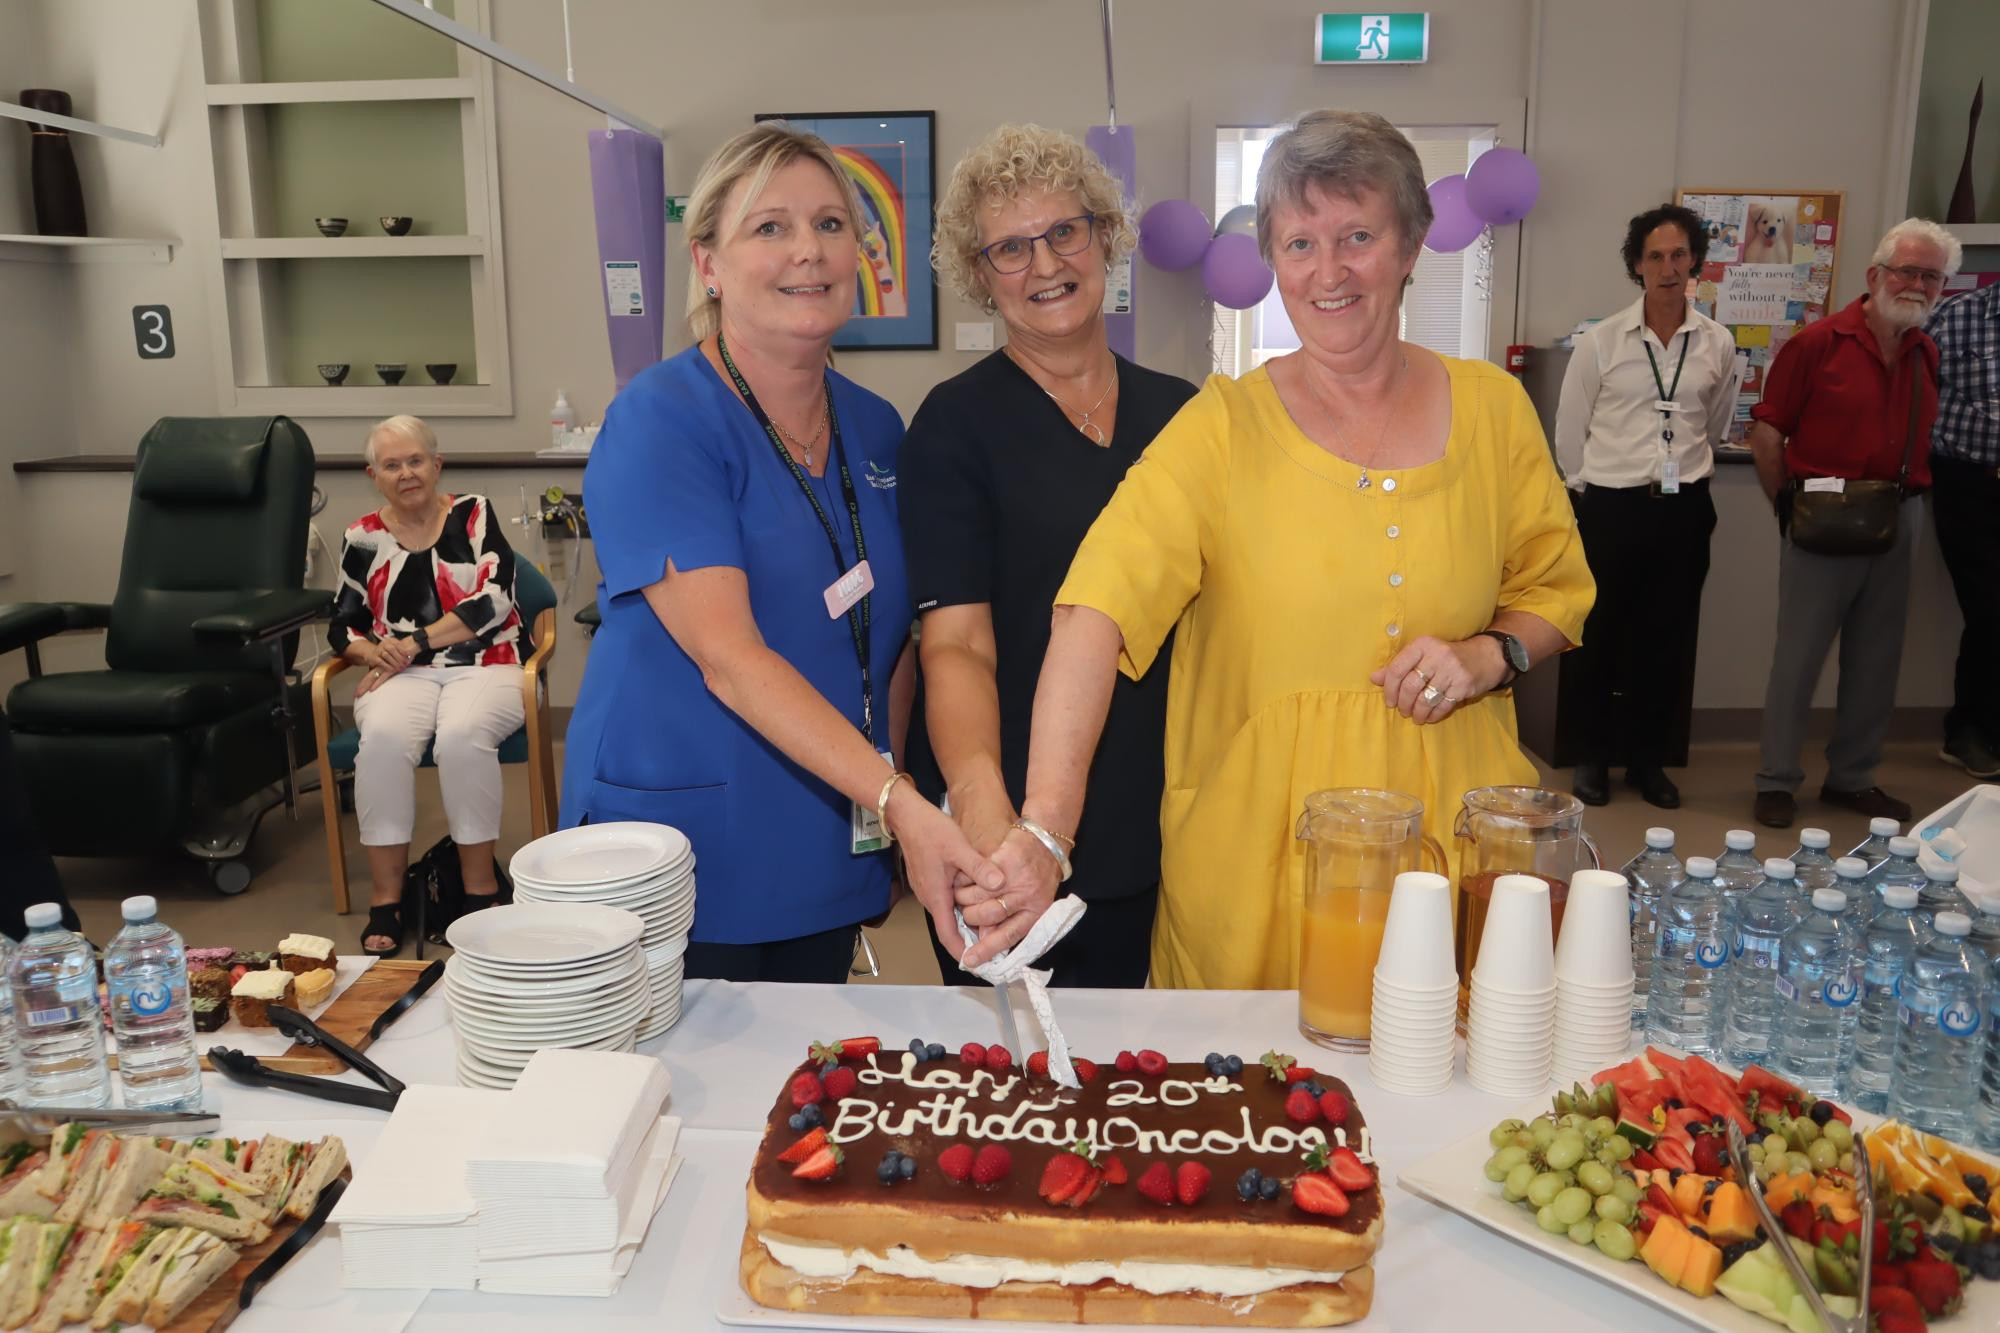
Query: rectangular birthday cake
{"points": [[955, 1185]]}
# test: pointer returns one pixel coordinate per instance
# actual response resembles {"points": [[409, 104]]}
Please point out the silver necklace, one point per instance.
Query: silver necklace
{"points": [[1084, 423], [1362, 482], [806, 447]]}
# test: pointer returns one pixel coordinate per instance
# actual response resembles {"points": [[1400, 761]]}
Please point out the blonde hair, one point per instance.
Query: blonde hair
{"points": [[751, 156], [414, 429], [1010, 160]]}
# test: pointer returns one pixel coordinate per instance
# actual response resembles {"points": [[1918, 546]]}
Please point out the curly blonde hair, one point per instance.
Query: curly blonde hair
{"points": [[997, 170]]}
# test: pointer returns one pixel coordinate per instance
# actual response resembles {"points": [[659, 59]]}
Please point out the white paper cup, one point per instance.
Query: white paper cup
{"points": [[1596, 944], [1517, 948], [1416, 935], [1385, 982]]}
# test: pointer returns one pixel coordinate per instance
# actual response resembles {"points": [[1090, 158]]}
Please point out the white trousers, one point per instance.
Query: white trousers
{"points": [[469, 710]]}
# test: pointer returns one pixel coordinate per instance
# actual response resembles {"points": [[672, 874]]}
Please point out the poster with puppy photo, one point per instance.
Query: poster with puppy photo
{"points": [[1769, 272]]}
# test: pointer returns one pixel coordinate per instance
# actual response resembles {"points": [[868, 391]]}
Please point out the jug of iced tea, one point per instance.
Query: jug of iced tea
{"points": [[1514, 831], [1357, 840]]}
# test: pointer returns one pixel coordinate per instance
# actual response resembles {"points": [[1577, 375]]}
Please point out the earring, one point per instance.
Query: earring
{"points": [[712, 293]]}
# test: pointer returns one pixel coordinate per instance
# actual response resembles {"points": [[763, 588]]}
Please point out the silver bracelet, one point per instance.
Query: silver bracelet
{"points": [[1048, 840]]}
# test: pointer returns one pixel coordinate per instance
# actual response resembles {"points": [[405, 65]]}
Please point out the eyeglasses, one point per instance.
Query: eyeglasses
{"points": [[1929, 277], [1011, 254]]}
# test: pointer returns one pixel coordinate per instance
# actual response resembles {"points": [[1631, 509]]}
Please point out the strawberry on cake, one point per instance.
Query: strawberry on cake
{"points": [[954, 1185]]}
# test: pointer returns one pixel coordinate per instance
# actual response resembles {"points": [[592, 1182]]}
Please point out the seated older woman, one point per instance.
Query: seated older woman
{"points": [[1362, 544], [426, 607]]}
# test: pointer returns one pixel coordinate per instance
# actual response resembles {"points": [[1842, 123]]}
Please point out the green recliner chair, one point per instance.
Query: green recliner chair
{"points": [[193, 730]]}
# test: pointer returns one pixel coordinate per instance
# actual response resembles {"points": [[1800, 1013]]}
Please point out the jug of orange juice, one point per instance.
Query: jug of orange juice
{"points": [[1356, 841]]}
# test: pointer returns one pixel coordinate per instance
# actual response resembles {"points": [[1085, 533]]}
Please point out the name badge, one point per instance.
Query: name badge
{"points": [[1670, 476], [1838, 485], [849, 588], [865, 831], [1666, 405]]}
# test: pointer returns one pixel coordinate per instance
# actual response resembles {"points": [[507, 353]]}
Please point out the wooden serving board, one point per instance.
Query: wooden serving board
{"points": [[348, 1017], [216, 1309]]}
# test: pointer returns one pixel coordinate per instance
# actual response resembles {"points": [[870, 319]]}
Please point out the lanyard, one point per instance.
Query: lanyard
{"points": [[858, 617], [1666, 393]]}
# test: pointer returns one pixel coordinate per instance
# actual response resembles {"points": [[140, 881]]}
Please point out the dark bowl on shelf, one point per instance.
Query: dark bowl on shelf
{"points": [[391, 371], [441, 371], [333, 372], [396, 226], [331, 226]]}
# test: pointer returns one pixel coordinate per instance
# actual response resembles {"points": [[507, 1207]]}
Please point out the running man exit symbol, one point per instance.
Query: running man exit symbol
{"points": [[1372, 39]]}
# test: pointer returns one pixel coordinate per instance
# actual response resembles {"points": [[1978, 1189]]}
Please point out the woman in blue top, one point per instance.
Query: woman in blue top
{"points": [[753, 674]]}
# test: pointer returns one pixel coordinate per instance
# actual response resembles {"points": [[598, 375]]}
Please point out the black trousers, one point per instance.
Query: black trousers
{"points": [[824, 957], [1649, 554], [1111, 948], [1965, 503]]}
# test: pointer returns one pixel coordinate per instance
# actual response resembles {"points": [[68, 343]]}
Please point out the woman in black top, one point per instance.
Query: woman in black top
{"points": [[1004, 468]]}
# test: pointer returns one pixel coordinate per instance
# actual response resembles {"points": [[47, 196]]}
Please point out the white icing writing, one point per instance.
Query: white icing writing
{"points": [[1173, 1092], [940, 1076]]}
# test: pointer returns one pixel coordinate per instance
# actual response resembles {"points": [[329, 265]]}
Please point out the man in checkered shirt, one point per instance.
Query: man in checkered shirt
{"points": [[1965, 499]]}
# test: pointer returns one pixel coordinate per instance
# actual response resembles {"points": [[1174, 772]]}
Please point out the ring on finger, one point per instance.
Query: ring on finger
{"points": [[1431, 694], [1422, 675], [1003, 906]]}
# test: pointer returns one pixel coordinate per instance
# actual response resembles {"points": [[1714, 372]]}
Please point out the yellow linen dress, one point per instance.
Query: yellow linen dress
{"points": [[1290, 582]]}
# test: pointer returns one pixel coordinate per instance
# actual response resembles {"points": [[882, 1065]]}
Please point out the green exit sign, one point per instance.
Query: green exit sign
{"points": [[1372, 39]]}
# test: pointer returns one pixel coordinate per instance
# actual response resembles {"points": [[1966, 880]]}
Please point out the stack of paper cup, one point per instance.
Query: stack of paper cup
{"points": [[1413, 1035], [1511, 1022], [1593, 976]]}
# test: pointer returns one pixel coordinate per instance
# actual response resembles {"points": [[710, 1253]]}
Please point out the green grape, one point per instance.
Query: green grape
{"points": [[1494, 1171], [1822, 1154], [1756, 1152], [1583, 1232], [1770, 1168], [1611, 1208], [1501, 1136], [1515, 1187], [1627, 1189], [1545, 1218], [1566, 1151], [1511, 1157], [1567, 1178], [1614, 1241], [1847, 1162], [1807, 1131], [1605, 1126], [1621, 1148], [1544, 1131], [1572, 1205], [1839, 1135], [1775, 1146], [1523, 1139], [1595, 1177], [1543, 1189], [1797, 1162]]}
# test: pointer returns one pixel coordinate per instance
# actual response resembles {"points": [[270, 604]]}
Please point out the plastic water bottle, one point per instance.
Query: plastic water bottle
{"points": [[1985, 930], [1690, 971], [1653, 873], [1889, 943], [1818, 983], [12, 1076], [1737, 870], [1762, 917], [1937, 891], [1813, 863], [562, 420], [1874, 849], [1986, 1119], [1850, 876], [145, 977], [1939, 1053], [1899, 867], [55, 1012]]}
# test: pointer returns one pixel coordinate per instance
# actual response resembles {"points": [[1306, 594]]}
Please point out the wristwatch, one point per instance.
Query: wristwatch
{"points": [[422, 638], [1512, 650]]}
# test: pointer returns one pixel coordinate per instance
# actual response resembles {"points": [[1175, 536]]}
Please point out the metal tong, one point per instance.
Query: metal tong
{"points": [[1864, 1171], [34, 1121], [250, 1070]]}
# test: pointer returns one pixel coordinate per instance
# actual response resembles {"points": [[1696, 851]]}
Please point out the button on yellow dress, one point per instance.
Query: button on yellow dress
{"points": [[1290, 582]]}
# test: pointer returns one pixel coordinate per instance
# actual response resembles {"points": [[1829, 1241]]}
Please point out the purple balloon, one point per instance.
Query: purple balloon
{"points": [[1174, 235], [1234, 272], [1502, 185], [1453, 223]]}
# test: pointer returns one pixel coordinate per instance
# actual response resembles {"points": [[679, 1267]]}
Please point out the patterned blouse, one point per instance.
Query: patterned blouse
{"points": [[388, 590]]}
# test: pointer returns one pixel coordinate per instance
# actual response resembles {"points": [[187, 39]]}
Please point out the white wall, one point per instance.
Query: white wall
{"points": [[1624, 100]]}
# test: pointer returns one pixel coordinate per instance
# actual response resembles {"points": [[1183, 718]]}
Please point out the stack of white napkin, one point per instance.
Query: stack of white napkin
{"points": [[547, 1188]]}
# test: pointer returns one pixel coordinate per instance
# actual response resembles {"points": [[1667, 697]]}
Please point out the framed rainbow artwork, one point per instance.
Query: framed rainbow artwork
{"points": [[892, 158]]}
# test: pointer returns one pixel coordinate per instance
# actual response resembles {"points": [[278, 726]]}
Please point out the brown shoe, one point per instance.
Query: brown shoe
{"points": [[1870, 801], [1776, 809]]}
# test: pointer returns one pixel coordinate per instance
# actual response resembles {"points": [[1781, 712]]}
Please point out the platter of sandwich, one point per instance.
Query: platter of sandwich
{"points": [[106, 1230]]}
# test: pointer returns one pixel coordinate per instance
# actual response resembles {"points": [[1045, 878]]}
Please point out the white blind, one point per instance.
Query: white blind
{"points": [[1434, 304]]}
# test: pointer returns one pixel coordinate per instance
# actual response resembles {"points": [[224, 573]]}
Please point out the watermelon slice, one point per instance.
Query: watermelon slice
{"points": [[1673, 1153]]}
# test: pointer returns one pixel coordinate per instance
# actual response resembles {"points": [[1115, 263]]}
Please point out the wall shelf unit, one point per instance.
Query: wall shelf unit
{"points": [[88, 249], [341, 108]]}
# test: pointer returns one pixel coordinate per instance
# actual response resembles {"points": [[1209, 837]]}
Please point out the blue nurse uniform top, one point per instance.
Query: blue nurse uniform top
{"points": [[682, 472]]}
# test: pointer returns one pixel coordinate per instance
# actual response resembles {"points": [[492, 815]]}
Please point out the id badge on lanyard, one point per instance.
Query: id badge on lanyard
{"points": [[1666, 405]]}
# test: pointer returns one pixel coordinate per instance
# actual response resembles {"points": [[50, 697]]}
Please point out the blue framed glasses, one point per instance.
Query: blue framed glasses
{"points": [[1011, 254]]}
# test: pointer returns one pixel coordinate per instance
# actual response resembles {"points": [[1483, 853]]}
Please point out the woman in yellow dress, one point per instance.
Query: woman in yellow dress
{"points": [[1361, 543]]}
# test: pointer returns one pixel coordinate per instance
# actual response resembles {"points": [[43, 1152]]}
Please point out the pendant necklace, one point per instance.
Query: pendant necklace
{"points": [[1084, 424], [1363, 482]]}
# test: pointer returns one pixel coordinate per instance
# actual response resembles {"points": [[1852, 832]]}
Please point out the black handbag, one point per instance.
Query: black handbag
{"points": [[434, 890], [1861, 517]]}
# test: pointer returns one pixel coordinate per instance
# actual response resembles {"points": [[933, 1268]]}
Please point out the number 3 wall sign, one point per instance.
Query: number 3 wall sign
{"points": [[153, 328]]}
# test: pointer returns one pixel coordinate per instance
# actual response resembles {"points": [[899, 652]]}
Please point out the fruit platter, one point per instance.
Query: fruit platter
{"points": [[1630, 1180]]}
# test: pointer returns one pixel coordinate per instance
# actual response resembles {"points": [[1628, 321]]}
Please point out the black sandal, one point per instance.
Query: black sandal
{"points": [[383, 919]]}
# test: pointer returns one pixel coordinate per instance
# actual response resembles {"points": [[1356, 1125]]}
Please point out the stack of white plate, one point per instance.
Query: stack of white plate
{"points": [[646, 869], [533, 975]]}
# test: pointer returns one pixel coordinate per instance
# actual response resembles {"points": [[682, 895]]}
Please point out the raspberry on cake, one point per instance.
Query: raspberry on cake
{"points": [[1013, 1208]]}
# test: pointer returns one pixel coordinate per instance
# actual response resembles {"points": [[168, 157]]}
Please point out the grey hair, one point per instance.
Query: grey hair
{"points": [[415, 429], [1919, 229], [1344, 152]]}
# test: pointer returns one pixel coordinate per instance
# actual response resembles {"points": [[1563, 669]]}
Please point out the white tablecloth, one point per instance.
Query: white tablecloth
{"points": [[728, 1057]]}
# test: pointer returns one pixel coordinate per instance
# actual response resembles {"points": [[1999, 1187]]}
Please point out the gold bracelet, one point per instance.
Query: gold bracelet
{"points": [[882, 803]]}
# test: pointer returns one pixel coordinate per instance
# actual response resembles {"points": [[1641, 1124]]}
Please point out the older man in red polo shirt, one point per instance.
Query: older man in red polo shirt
{"points": [[1838, 407]]}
